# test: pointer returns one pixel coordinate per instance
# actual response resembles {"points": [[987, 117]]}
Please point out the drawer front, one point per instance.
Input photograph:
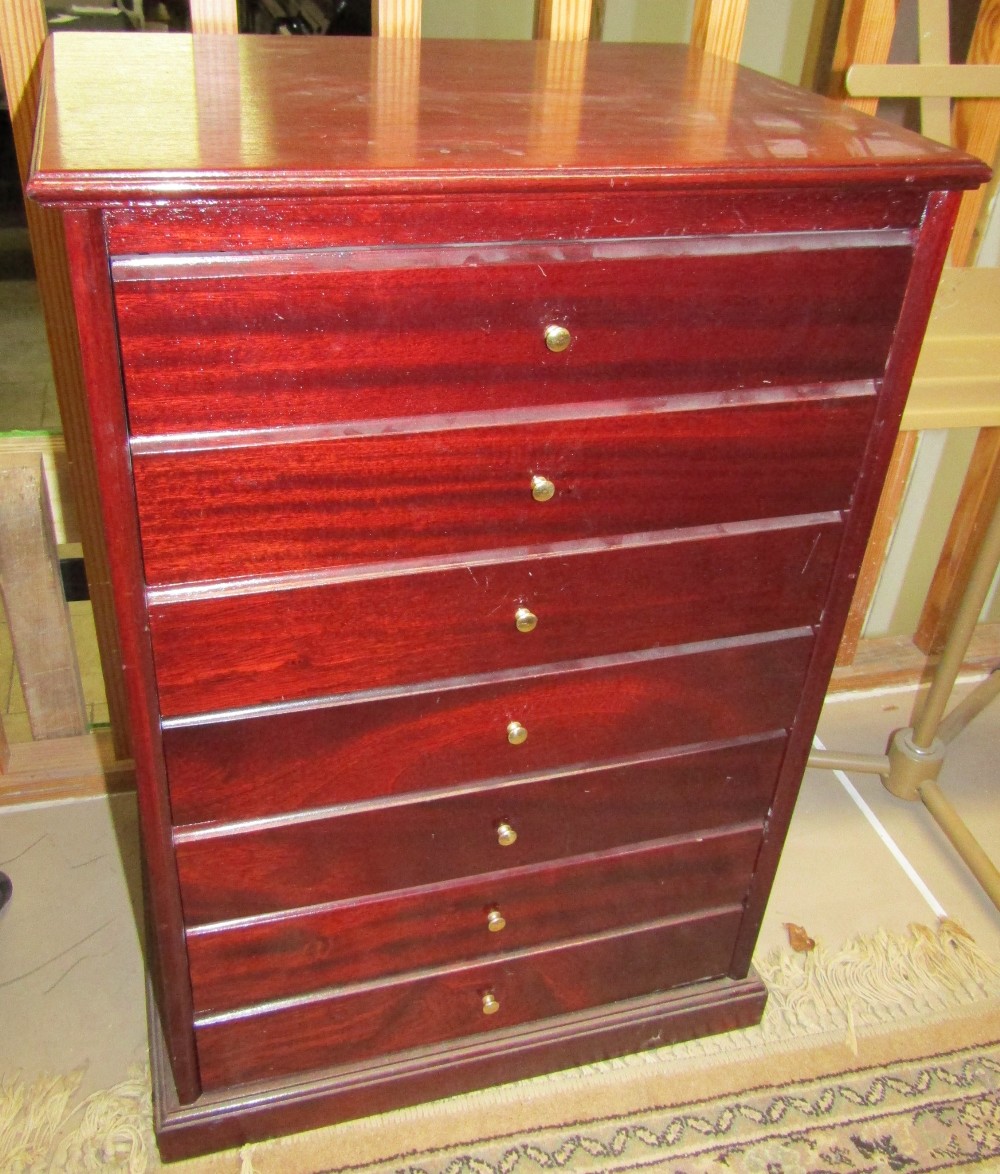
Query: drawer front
{"points": [[360, 940], [354, 1025], [221, 653], [275, 508], [212, 343], [288, 762], [426, 841]]}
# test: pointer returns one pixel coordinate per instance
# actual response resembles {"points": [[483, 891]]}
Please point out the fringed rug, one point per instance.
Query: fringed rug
{"points": [[883, 1056]]}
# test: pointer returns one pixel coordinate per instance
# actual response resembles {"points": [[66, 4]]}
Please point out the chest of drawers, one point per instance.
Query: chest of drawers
{"points": [[488, 438]]}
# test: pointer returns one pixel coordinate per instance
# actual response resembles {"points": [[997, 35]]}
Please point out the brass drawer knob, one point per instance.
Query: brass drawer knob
{"points": [[525, 620], [505, 835], [490, 1004], [516, 733], [542, 488], [557, 338], [495, 921]]}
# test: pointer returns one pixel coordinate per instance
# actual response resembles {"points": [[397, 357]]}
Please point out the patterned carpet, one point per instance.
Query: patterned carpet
{"points": [[934, 1113], [882, 1056]]}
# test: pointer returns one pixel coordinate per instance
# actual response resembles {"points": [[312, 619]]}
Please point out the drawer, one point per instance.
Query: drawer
{"points": [[352, 1025], [223, 652], [419, 494], [291, 338], [357, 940], [288, 762], [252, 870]]}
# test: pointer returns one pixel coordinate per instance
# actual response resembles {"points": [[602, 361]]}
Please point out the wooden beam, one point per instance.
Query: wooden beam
{"points": [[64, 768], [878, 544], [22, 36], [976, 504], [866, 29], [214, 16], [37, 615], [396, 18], [976, 129], [563, 20], [924, 81], [717, 27], [888, 661], [597, 19], [821, 45], [934, 40]]}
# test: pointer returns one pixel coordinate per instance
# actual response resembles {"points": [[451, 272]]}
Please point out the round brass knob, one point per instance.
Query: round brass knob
{"points": [[516, 733], [505, 835], [495, 921], [557, 338], [525, 620], [490, 1005], [542, 488]]}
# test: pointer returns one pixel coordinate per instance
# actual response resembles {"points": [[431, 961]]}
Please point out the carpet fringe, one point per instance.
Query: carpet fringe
{"points": [[873, 981], [108, 1130]]}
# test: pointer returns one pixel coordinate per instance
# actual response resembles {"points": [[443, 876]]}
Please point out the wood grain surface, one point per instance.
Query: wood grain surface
{"points": [[354, 940], [140, 229], [448, 1005], [286, 865], [243, 650], [280, 763], [450, 330], [417, 495], [481, 119]]}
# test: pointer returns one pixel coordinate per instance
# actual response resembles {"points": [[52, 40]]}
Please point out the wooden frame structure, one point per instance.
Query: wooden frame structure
{"points": [[863, 33]]}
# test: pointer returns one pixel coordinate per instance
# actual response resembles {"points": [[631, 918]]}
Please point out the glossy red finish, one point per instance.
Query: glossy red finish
{"points": [[304, 116], [375, 334], [289, 865], [418, 1011], [165, 931], [461, 621], [353, 940], [141, 229], [420, 495], [317, 388], [578, 715]]}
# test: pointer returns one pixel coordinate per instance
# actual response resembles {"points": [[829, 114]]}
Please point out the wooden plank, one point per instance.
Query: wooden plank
{"points": [[22, 35], [78, 767], [866, 29], [976, 129], [37, 615], [878, 545], [821, 45], [51, 447], [563, 20], [924, 81], [934, 49], [214, 16], [888, 661], [597, 10], [976, 505], [396, 18], [717, 27]]}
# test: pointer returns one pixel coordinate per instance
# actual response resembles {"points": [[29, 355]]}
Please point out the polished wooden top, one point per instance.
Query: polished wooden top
{"points": [[174, 115]]}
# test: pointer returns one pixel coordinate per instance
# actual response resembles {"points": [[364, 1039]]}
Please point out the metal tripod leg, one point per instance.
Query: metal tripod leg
{"points": [[915, 755]]}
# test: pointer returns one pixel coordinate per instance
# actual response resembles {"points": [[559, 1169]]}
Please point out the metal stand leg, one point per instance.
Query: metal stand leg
{"points": [[916, 755]]}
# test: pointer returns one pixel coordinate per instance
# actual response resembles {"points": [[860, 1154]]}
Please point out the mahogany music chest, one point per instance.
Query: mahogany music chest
{"points": [[488, 438]]}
